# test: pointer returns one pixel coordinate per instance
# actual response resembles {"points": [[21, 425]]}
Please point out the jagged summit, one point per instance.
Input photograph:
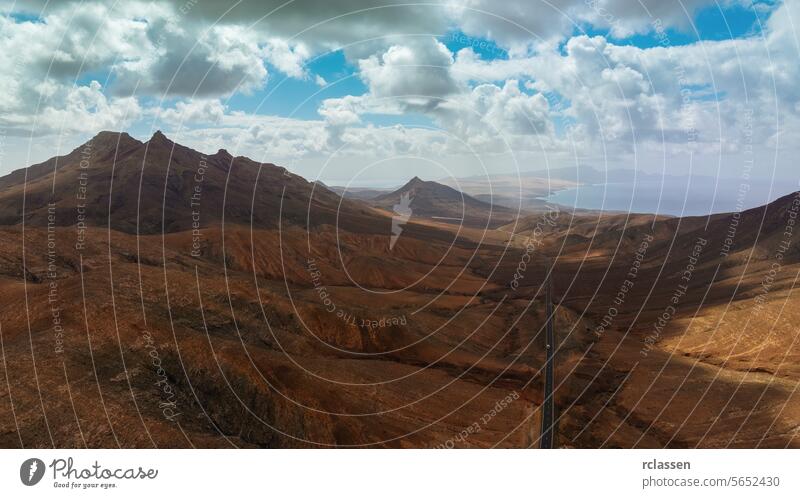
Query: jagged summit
{"points": [[110, 139], [113, 135], [159, 138]]}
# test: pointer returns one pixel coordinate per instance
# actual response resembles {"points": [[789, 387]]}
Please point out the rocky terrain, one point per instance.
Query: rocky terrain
{"points": [[157, 296]]}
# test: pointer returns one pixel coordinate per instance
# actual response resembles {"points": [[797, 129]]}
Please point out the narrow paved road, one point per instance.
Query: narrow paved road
{"points": [[548, 411]]}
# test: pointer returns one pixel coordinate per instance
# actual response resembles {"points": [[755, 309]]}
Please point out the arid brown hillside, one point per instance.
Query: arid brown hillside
{"points": [[285, 333], [692, 339]]}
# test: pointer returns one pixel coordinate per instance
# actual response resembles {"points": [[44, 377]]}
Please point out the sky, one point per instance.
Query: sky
{"points": [[374, 92]]}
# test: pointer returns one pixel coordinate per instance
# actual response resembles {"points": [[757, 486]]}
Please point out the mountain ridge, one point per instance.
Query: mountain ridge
{"points": [[110, 175]]}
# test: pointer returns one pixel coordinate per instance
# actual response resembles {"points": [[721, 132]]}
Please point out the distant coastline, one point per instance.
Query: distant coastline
{"points": [[676, 196]]}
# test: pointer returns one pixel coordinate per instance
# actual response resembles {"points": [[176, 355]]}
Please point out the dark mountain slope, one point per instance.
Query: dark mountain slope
{"points": [[163, 186]]}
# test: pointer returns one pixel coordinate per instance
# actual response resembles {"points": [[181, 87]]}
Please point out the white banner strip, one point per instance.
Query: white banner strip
{"points": [[399, 473]]}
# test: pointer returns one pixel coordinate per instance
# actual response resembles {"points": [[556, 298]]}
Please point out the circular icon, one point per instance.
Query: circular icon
{"points": [[31, 471]]}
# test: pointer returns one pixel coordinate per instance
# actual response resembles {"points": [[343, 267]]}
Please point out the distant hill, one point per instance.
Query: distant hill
{"points": [[429, 199]]}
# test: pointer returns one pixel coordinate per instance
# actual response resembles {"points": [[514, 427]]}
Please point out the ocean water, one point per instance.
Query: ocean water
{"points": [[677, 196]]}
